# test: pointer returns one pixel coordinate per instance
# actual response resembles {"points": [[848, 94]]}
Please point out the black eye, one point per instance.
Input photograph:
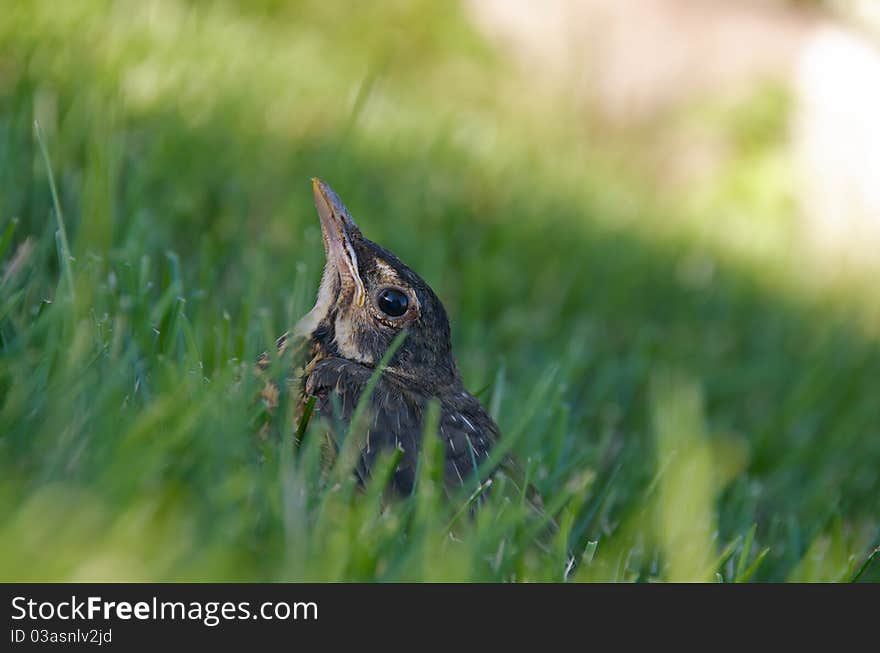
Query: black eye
{"points": [[392, 302]]}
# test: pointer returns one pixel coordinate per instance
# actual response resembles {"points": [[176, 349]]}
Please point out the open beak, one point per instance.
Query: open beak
{"points": [[338, 229]]}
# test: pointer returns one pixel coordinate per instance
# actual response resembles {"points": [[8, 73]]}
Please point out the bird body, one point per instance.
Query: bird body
{"points": [[367, 296], [397, 410]]}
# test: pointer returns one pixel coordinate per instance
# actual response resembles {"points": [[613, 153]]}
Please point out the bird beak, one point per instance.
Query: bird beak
{"points": [[338, 229]]}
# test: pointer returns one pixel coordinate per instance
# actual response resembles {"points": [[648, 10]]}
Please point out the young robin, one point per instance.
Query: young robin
{"points": [[367, 296]]}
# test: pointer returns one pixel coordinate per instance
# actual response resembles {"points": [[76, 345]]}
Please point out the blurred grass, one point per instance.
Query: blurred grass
{"points": [[695, 406]]}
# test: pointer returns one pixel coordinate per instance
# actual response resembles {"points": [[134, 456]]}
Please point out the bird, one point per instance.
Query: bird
{"points": [[366, 297]]}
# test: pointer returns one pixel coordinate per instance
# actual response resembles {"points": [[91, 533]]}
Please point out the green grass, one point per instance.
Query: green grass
{"points": [[689, 402]]}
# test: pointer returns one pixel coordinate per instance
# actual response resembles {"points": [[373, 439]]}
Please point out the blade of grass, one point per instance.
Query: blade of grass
{"points": [[743, 561], [752, 568], [864, 566], [474, 496], [725, 555], [62, 231], [6, 238], [497, 391], [304, 420]]}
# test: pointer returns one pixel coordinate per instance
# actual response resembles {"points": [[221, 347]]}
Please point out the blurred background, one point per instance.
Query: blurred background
{"points": [[655, 225]]}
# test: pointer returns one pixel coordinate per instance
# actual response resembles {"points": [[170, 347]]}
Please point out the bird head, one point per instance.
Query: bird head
{"points": [[367, 296]]}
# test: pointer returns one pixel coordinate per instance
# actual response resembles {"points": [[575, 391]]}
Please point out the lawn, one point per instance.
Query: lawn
{"points": [[691, 401]]}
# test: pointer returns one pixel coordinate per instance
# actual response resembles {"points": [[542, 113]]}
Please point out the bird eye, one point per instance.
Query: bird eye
{"points": [[392, 302]]}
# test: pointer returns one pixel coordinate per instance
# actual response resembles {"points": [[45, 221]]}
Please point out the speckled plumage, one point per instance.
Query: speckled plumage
{"points": [[348, 333]]}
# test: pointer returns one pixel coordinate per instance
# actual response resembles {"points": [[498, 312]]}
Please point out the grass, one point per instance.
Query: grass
{"points": [[690, 403]]}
